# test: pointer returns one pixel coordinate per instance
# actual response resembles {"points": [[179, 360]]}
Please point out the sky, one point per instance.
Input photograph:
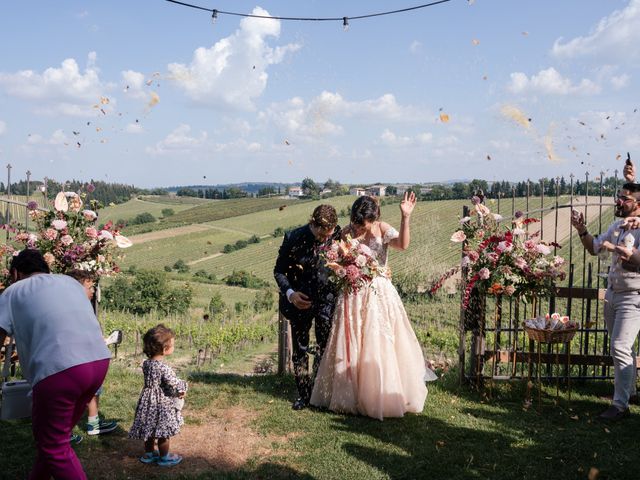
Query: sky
{"points": [[155, 94]]}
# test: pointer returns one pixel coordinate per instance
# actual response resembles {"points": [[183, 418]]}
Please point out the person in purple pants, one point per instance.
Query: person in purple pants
{"points": [[62, 354]]}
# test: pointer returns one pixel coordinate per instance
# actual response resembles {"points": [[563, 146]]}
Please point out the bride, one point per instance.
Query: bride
{"points": [[373, 364]]}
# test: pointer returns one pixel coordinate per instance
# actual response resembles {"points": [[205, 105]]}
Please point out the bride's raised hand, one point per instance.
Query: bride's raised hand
{"points": [[408, 203]]}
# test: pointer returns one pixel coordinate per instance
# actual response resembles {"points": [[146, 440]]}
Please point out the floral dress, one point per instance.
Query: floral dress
{"points": [[157, 414]]}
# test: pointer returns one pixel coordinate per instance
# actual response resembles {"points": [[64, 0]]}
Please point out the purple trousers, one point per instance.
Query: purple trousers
{"points": [[58, 403]]}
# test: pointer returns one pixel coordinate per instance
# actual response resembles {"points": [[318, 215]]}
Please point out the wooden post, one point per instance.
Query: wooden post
{"points": [[283, 344]]}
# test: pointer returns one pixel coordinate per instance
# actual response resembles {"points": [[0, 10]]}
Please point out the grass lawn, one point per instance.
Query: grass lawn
{"points": [[241, 426]]}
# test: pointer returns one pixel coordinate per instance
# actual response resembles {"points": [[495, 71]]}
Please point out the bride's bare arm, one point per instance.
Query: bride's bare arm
{"points": [[406, 208]]}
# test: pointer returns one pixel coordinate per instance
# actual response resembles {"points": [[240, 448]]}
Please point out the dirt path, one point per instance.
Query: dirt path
{"points": [[548, 223], [204, 259], [177, 231]]}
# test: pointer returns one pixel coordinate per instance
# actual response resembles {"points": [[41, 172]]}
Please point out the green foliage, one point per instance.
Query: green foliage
{"points": [[278, 232], [167, 212], [241, 244], [181, 266], [167, 268], [147, 291], [254, 239], [241, 278], [216, 305], [142, 218], [309, 187], [264, 301]]}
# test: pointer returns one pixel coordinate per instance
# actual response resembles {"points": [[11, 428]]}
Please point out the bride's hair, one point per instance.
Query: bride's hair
{"points": [[365, 209]]}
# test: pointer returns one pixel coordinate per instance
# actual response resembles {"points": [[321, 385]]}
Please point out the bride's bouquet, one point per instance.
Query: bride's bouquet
{"points": [[352, 265]]}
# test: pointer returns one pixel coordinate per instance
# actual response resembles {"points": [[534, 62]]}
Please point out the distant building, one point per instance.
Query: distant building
{"points": [[401, 188], [425, 190], [325, 191], [376, 191], [295, 192], [357, 191]]}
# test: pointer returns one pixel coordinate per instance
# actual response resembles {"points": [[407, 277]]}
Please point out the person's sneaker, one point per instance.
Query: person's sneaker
{"points": [[101, 426], [150, 457], [613, 414], [75, 439], [169, 460], [300, 404]]}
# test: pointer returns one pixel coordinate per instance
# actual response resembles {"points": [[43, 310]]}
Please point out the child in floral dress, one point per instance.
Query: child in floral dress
{"points": [[158, 416]]}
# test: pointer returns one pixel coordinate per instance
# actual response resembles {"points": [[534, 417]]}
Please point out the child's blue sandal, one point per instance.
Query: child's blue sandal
{"points": [[150, 457], [169, 460]]}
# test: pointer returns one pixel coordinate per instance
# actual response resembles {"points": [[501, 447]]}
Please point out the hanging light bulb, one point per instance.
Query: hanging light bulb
{"points": [[345, 23], [214, 16]]}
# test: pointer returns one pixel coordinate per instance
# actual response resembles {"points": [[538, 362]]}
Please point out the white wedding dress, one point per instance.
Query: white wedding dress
{"points": [[373, 364]]}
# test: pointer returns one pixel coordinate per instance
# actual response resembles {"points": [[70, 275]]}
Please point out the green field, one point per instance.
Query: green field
{"points": [[128, 210]]}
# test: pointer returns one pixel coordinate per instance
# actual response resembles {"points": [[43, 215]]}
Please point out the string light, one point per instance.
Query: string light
{"points": [[344, 20]]}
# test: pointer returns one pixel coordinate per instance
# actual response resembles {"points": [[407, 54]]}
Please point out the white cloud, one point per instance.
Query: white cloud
{"points": [[551, 82], [65, 90], [233, 72], [3, 127], [615, 36], [415, 47], [134, 128], [319, 116], [621, 81], [392, 140], [179, 141], [133, 84]]}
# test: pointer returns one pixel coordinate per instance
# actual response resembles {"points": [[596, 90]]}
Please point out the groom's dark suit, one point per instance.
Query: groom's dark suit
{"points": [[299, 268]]}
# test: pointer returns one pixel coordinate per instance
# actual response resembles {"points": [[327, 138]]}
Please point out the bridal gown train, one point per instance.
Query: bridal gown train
{"points": [[373, 364]]}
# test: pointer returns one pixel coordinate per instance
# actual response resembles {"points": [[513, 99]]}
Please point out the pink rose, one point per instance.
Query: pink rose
{"points": [[59, 224], [352, 273], [458, 237], [473, 256], [484, 273], [509, 290], [341, 272], [91, 232], [331, 256], [49, 258], [361, 260], [530, 245], [89, 215], [543, 249], [50, 234], [105, 235], [520, 262], [465, 261], [66, 240]]}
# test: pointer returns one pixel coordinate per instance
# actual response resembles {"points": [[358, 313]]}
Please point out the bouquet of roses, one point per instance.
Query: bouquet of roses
{"points": [[555, 321], [352, 265], [498, 260], [69, 239]]}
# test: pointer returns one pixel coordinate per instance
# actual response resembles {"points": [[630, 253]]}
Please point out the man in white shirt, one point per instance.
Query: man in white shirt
{"points": [[62, 354]]}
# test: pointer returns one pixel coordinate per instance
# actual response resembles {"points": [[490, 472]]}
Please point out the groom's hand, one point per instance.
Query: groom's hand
{"points": [[300, 301]]}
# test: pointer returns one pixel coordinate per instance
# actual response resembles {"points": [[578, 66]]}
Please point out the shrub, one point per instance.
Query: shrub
{"points": [[229, 248], [180, 266], [167, 212], [240, 244], [141, 218], [217, 305], [264, 301], [254, 239], [201, 274], [244, 279], [147, 291], [278, 232], [168, 268]]}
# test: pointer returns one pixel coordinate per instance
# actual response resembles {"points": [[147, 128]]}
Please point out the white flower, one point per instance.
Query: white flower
{"points": [[59, 224], [518, 231], [484, 273], [341, 272], [105, 235], [458, 237], [465, 219], [497, 217], [89, 215], [543, 249], [361, 260], [122, 241], [465, 261], [60, 203]]}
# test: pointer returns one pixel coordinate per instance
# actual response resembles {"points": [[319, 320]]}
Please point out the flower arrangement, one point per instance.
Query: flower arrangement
{"points": [[352, 265], [555, 321], [68, 237], [498, 260]]}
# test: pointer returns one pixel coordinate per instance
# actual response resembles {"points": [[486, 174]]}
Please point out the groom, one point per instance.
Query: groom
{"points": [[306, 293]]}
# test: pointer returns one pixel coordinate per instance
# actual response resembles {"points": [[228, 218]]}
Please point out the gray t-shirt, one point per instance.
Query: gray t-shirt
{"points": [[53, 323], [620, 279]]}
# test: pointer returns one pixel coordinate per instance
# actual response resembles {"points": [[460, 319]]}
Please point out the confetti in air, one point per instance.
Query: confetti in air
{"points": [[155, 98], [444, 118], [515, 114]]}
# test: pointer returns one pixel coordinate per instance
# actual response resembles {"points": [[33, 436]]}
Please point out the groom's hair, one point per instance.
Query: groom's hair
{"points": [[324, 216], [29, 261]]}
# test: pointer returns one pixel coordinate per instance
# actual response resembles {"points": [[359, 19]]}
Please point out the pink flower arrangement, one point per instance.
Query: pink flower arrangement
{"points": [[351, 265], [69, 239], [498, 260]]}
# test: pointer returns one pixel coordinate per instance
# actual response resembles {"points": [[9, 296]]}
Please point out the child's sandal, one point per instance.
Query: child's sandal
{"points": [[150, 457], [169, 460]]}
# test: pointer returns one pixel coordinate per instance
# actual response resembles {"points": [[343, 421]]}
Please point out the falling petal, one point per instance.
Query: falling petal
{"points": [[475, 42], [155, 98], [104, 100], [444, 118], [515, 114]]}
